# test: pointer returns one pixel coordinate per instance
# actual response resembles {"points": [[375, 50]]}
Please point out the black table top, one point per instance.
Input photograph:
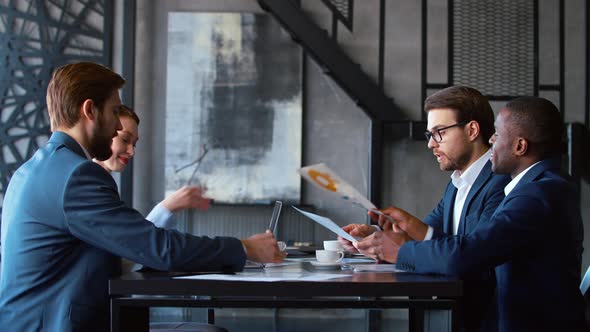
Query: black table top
{"points": [[365, 284]]}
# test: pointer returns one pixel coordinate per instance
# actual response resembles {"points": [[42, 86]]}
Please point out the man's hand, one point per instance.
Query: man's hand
{"points": [[402, 221], [263, 248], [382, 246], [356, 230], [187, 197]]}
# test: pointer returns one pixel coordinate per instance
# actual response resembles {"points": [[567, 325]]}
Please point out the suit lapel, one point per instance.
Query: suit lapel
{"points": [[449, 201], [480, 181], [541, 167]]}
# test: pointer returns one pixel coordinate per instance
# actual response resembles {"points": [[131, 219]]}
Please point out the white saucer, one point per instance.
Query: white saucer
{"points": [[327, 266]]}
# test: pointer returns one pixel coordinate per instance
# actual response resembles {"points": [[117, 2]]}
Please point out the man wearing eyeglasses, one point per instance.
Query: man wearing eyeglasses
{"points": [[534, 238], [460, 123]]}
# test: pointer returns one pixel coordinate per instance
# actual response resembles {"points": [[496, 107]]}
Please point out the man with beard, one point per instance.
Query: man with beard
{"points": [[64, 227], [460, 123], [533, 239]]}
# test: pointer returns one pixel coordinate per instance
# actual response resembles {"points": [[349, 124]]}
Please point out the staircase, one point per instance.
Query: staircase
{"points": [[335, 63]]}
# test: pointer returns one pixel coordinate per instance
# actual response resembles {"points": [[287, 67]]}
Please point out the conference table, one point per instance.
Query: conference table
{"points": [[295, 284]]}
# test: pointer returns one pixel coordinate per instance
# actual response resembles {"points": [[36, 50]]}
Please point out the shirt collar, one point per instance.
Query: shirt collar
{"points": [[516, 179], [85, 151], [472, 172]]}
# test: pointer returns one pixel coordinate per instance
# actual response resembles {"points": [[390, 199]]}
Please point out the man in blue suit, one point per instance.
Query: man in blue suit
{"points": [[460, 123], [64, 227], [533, 239]]}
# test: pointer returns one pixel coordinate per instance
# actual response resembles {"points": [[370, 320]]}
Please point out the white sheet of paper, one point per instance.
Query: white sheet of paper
{"points": [[328, 223], [323, 177], [282, 277], [376, 268]]}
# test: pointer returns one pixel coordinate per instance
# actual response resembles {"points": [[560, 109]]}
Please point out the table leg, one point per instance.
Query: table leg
{"points": [[373, 320], [454, 318], [211, 316], [129, 318], [416, 319]]}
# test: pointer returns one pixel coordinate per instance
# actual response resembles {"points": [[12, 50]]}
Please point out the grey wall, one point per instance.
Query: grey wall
{"points": [[336, 131]]}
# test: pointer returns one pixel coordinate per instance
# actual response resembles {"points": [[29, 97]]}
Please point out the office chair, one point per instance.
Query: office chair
{"points": [[186, 327]]}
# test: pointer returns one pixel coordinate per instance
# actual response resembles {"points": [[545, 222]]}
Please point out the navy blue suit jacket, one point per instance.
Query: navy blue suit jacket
{"points": [[486, 193], [534, 241], [484, 197], [64, 230]]}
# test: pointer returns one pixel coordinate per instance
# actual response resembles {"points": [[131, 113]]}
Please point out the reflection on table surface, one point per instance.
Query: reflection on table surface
{"points": [[349, 283]]}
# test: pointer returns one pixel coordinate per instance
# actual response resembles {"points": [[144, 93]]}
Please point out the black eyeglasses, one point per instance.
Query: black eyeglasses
{"points": [[436, 134]]}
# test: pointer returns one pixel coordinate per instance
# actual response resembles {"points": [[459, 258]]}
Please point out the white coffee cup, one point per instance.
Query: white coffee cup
{"points": [[333, 245], [328, 256]]}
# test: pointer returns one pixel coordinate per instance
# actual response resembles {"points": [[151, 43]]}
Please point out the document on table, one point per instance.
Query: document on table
{"points": [[328, 223], [376, 268], [265, 278]]}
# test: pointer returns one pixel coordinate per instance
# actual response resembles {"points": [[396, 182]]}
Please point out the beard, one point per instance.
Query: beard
{"points": [[100, 146], [458, 163]]}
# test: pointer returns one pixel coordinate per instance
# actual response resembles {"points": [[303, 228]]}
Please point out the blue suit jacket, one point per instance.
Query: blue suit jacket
{"points": [[484, 197], [63, 230], [534, 241], [486, 193]]}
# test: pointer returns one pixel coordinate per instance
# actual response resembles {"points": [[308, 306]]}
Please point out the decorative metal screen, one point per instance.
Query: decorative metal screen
{"points": [[493, 46], [35, 38]]}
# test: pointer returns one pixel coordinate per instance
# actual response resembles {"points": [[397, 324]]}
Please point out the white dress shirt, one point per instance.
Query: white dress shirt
{"points": [[463, 181], [516, 180], [161, 217]]}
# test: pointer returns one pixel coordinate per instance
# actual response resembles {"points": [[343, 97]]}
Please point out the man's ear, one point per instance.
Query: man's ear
{"points": [[521, 146], [87, 110], [473, 130]]}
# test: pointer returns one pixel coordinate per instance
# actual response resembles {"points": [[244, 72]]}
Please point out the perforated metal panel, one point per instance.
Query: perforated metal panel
{"points": [[35, 38], [493, 46]]}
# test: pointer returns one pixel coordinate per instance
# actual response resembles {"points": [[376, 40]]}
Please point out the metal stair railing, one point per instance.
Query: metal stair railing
{"points": [[346, 73]]}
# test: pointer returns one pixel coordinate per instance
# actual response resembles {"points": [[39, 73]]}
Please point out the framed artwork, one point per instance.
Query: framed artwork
{"points": [[233, 107]]}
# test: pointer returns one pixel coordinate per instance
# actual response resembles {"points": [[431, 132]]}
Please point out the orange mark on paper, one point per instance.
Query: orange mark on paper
{"points": [[322, 179]]}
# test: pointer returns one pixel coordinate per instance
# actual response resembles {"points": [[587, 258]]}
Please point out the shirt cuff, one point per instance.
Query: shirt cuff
{"points": [[161, 217], [429, 233]]}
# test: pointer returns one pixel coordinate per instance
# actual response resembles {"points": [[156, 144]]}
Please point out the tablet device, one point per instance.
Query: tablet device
{"points": [[274, 219]]}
